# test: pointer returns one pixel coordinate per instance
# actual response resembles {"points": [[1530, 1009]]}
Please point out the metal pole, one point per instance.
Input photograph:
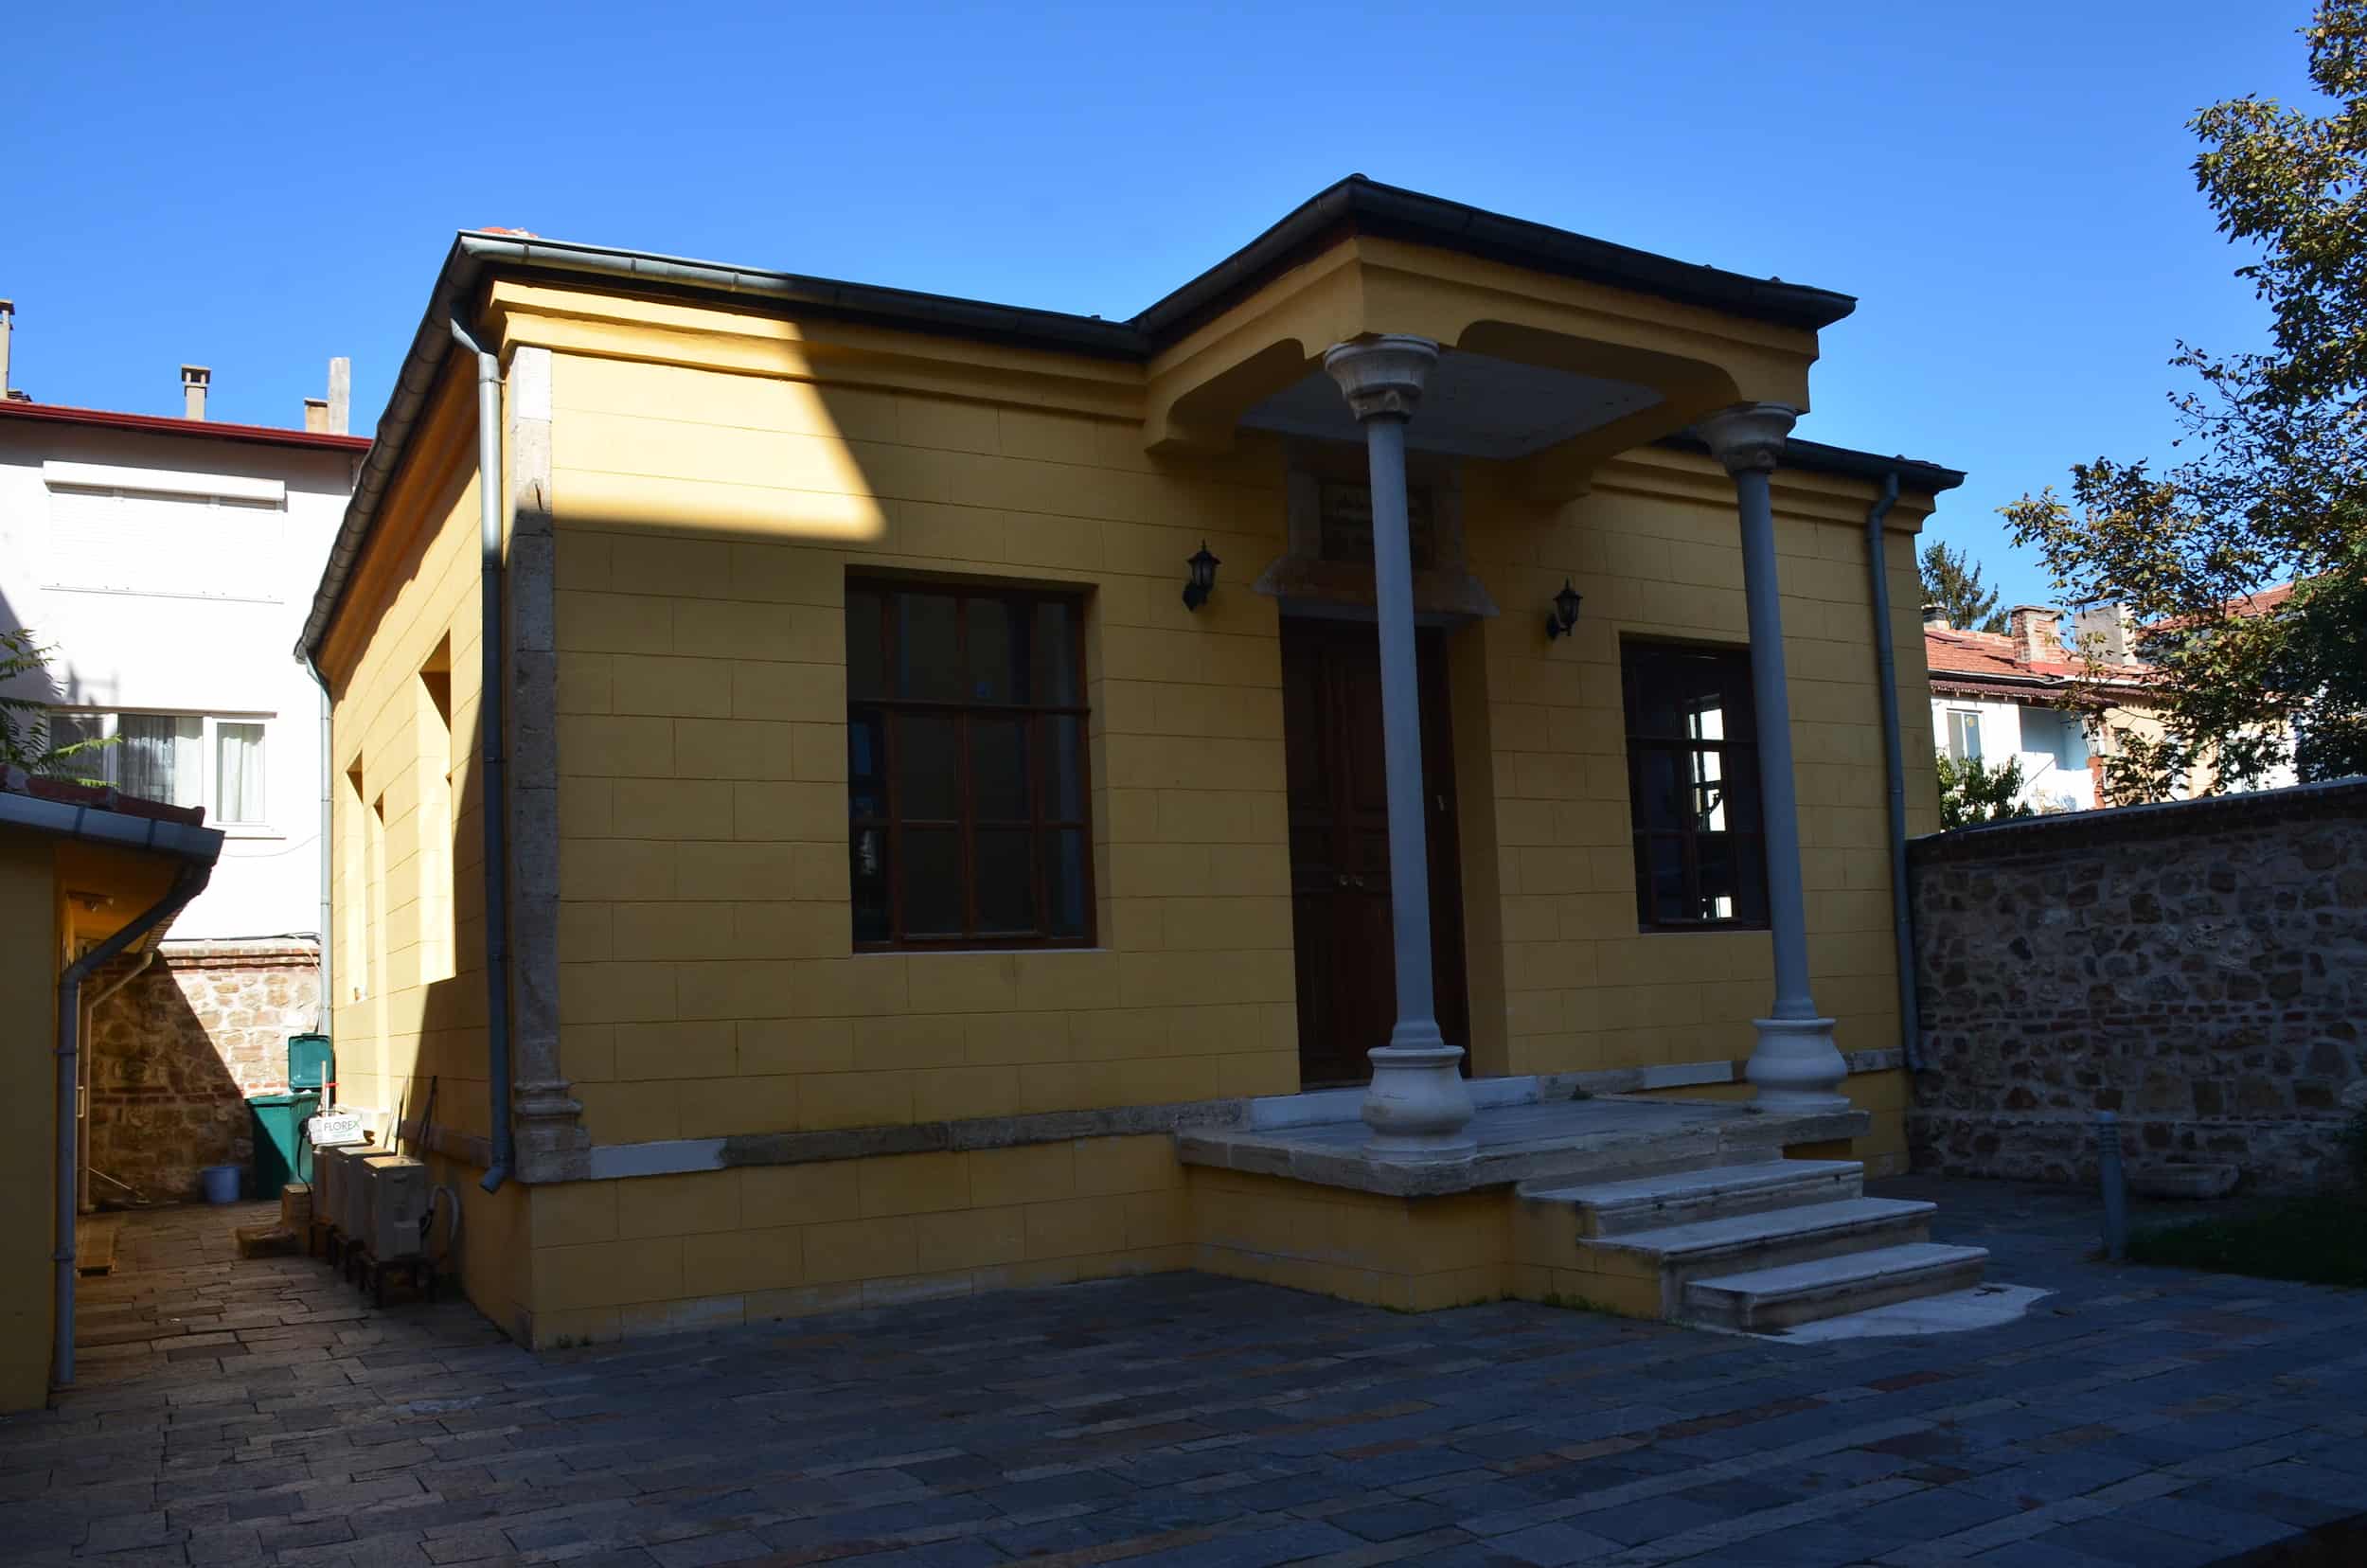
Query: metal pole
{"points": [[2115, 1182]]}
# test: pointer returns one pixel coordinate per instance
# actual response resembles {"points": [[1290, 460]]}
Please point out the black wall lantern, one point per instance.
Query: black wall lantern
{"points": [[1204, 577], [1564, 613]]}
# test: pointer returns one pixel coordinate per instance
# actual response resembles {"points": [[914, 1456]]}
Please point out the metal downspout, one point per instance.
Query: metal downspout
{"points": [[495, 806], [187, 885], [326, 1023], [1895, 766]]}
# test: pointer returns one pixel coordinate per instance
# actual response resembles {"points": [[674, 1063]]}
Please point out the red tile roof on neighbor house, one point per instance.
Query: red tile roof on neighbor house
{"points": [[1992, 664], [108, 799], [167, 425]]}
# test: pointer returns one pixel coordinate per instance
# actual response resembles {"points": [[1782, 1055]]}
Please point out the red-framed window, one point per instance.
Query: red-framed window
{"points": [[967, 779]]}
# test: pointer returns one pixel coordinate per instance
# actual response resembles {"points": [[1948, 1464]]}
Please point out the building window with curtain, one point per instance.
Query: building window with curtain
{"points": [[181, 760], [966, 765], [1964, 735], [1693, 788]]}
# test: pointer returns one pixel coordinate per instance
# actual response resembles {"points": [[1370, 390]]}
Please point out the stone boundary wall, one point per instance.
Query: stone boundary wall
{"points": [[2198, 968], [175, 1053]]}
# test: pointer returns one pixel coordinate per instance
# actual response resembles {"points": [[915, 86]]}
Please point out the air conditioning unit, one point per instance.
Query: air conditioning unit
{"points": [[395, 1189], [331, 1175], [353, 1192]]}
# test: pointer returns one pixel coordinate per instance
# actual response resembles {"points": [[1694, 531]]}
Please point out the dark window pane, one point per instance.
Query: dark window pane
{"points": [[868, 865], [933, 883], [998, 770], [1054, 655], [928, 649], [1664, 875], [864, 678], [928, 774], [1064, 789], [998, 651], [866, 765], [1659, 803], [1065, 853], [1720, 890], [1006, 882]]}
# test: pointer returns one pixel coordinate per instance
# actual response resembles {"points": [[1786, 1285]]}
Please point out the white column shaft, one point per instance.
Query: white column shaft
{"points": [[1401, 734]]}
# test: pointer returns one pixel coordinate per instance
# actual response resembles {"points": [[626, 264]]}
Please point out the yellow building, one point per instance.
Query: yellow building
{"points": [[85, 877], [955, 826]]}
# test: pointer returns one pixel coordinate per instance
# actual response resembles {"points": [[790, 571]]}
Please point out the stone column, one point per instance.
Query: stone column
{"points": [[1418, 1105], [1794, 1063]]}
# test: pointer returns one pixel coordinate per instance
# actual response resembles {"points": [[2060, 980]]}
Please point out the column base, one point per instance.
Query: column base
{"points": [[1418, 1105], [1795, 1065]]}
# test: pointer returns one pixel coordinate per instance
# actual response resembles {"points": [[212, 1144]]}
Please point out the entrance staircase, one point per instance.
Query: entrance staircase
{"points": [[1759, 1246]]}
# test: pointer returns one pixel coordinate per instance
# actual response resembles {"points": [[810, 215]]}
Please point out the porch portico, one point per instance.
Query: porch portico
{"points": [[1545, 377]]}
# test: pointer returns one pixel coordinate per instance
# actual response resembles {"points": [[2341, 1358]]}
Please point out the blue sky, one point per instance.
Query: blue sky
{"points": [[2004, 188]]}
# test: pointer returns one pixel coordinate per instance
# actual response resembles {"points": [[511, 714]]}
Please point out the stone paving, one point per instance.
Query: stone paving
{"points": [[258, 1411]]}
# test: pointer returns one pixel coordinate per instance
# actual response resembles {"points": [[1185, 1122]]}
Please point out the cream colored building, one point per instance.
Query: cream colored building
{"points": [[909, 887]]}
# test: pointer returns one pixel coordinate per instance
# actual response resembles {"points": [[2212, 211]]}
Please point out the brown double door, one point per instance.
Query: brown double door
{"points": [[1340, 845]]}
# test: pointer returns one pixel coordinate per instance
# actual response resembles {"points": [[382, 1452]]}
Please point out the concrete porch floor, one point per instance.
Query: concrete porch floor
{"points": [[1523, 1140], [2136, 1415]]}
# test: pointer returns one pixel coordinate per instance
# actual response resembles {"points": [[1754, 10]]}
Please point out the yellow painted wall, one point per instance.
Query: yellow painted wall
{"points": [[647, 1256], [707, 982], [406, 872], [30, 961]]}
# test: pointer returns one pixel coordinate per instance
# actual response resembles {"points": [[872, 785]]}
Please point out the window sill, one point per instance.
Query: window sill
{"points": [[969, 951], [248, 831]]}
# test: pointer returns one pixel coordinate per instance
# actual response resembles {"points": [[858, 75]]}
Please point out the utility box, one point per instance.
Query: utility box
{"points": [[312, 1064], [353, 1192], [282, 1153], [395, 1202]]}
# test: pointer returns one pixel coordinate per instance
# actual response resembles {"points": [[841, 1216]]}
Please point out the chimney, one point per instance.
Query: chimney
{"points": [[316, 414], [2108, 629], [1935, 618], [340, 396], [8, 331], [193, 380], [2033, 628]]}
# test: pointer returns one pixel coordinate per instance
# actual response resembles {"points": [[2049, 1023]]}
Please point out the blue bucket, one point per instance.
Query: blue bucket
{"points": [[222, 1183]]}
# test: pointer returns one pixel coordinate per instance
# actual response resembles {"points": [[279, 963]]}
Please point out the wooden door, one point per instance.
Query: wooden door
{"points": [[1340, 845]]}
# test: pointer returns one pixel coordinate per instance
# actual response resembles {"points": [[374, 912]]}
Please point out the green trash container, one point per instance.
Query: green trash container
{"points": [[282, 1153]]}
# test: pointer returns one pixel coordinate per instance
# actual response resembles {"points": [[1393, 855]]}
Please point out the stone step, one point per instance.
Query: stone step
{"points": [[1682, 1253], [1773, 1298], [1711, 1192]]}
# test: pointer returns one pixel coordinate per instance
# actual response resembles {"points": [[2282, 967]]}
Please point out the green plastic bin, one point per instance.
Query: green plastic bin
{"points": [[282, 1153]]}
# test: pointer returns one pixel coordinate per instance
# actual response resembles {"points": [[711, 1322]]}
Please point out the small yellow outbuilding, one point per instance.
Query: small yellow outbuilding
{"points": [[846, 794], [86, 875]]}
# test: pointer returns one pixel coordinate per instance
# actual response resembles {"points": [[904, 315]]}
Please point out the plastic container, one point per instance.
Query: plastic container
{"points": [[282, 1153], [221, 1183]]}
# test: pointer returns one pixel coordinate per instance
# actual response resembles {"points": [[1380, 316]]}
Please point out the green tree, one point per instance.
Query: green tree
{"points": [[2275, 489], [1973, 792], [26, 741], [1952, 579]]}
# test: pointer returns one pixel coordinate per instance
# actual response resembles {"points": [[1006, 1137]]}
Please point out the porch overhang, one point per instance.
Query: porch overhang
{"points": [[1546, 372]]}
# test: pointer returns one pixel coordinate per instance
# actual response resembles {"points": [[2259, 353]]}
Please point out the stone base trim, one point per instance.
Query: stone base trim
{"points": [[681, 1156]]}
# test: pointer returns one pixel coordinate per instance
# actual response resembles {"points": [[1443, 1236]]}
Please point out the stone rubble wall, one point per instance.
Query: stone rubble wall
{"points": [[175, 1053], [2197, 968]]}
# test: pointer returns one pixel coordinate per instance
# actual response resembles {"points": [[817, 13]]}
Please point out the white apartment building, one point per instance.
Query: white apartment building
{"points": [[171, 561]]}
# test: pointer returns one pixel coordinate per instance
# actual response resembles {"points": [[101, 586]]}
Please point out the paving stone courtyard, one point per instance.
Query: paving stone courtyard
{"points": [[258, 1411]]}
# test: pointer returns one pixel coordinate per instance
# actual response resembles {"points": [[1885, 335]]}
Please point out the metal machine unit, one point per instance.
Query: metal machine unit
{"points": [[394, 1203], [353, 1213]]}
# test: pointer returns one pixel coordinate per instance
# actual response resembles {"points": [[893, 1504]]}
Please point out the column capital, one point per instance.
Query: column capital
{"points": [[1747, 437], [1382, 372]]}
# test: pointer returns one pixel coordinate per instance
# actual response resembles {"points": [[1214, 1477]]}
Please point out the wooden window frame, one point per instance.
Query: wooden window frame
{"points": [[1040, 826], [1684, 748]]}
